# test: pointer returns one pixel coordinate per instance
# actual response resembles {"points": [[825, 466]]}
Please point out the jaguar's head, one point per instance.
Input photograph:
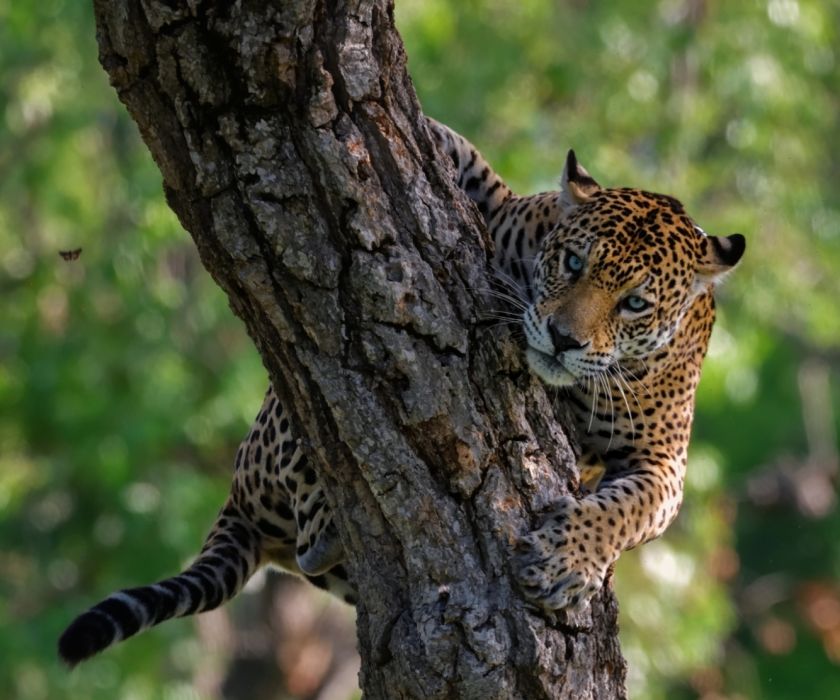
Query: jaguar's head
{"points": [[615, 278]]}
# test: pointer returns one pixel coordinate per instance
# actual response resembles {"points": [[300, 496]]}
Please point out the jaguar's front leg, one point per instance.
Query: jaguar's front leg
{"points": [[563, 563]]}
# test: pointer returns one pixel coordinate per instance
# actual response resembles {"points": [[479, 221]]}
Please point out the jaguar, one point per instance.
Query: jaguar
{"points": [[617, 291]]}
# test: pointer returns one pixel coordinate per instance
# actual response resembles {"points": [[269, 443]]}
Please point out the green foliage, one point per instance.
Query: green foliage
{"points": [[125, 383]]}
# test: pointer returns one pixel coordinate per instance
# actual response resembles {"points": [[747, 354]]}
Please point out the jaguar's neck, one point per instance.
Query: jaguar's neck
{"points": [[519, 228]]}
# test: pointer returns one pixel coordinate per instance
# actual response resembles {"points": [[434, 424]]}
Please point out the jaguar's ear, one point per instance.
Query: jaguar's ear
{"points": [[576, 183], [718, 255]]}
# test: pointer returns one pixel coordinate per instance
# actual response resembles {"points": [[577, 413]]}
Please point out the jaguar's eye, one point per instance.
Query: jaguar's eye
{"points": [[634, 303], [574, 263]]}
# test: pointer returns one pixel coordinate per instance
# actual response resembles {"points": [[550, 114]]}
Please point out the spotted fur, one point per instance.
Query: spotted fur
{"points": [[618, 310], [518, 225], [629, 377], [276, 515], [621, 316]]}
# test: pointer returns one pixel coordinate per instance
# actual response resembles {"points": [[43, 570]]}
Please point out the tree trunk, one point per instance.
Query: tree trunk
{"points": [[293, 149]]}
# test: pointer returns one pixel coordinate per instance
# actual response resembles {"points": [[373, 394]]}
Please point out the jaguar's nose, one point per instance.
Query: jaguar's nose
{"points": [[562, 341]]}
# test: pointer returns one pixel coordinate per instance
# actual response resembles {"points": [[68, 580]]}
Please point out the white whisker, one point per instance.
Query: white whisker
{"points": [[616, 379], [594, 385], [633, 393], [502, 315], [603, 379], [504, 296], [514, 285]]}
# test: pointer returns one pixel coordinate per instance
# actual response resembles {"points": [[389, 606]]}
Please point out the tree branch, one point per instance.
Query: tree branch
{"points": [[293, 150]]}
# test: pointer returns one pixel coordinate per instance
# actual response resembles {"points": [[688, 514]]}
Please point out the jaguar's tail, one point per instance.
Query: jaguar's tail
{"points": [[228, 559]]}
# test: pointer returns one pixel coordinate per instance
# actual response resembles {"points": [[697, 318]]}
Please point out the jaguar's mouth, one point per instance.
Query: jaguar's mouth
{"points": [[549, 368]]}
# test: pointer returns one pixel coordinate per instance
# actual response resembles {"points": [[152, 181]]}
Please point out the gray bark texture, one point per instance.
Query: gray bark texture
{"points": [[293, 150]]}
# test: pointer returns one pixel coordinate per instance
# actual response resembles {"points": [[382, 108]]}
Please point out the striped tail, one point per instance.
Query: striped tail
{"points": [[475, 176], [228, 559]]}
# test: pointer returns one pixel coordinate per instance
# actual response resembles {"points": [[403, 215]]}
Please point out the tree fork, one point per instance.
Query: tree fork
{"points": [[293, 149]]}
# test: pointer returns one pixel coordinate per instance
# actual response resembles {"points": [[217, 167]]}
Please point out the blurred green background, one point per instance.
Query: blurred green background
{"points": [[126, 383]]}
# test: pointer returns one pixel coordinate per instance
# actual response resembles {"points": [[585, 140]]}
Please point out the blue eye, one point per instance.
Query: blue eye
{"points": [[634, 303], [573, 262]]}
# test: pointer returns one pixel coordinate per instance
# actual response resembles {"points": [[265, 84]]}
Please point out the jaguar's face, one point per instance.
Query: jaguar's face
{"points": [[614, 280]]}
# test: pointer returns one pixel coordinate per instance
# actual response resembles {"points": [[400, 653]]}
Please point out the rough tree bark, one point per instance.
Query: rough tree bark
{"points": [[293, 150]]}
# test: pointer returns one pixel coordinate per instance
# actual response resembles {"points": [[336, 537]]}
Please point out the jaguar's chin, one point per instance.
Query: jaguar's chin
{"points": [[548, 368]]}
